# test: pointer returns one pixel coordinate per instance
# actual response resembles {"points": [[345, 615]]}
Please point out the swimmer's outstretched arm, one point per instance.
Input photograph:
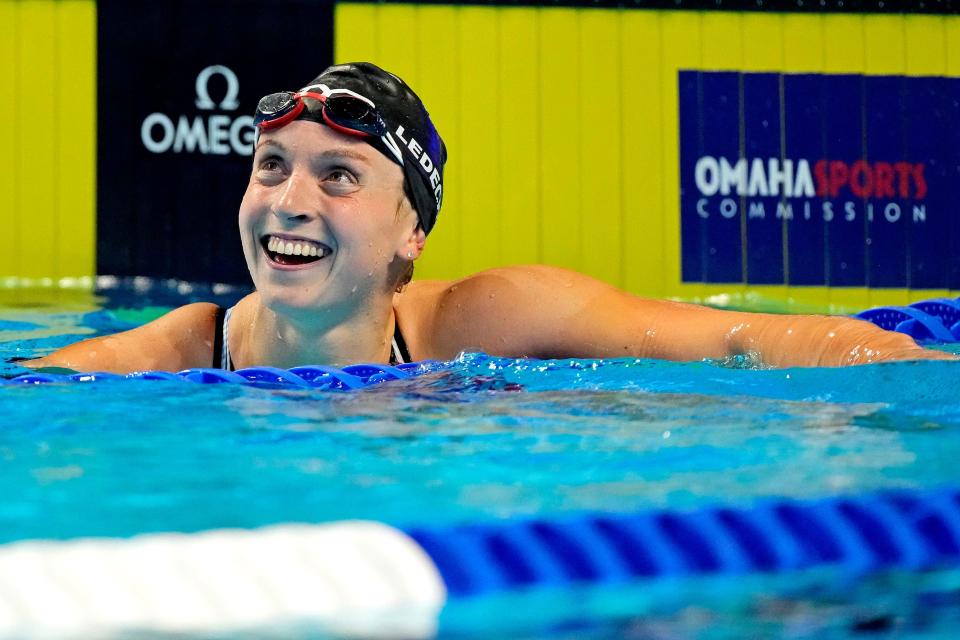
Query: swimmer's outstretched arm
{"points": [[554, 313], [179, 340]]}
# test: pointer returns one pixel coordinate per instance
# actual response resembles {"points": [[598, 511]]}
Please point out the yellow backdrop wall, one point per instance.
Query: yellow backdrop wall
{"points": [[48, 146]]}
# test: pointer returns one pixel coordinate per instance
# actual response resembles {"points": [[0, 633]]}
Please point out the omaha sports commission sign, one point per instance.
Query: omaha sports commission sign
{"points": [[812, 179]]}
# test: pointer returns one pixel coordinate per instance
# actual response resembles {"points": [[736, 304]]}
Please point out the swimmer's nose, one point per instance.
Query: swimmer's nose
{"points": [[297, 200]]}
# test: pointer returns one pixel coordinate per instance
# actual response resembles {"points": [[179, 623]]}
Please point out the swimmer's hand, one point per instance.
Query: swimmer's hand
{"points": [[827, 341]]}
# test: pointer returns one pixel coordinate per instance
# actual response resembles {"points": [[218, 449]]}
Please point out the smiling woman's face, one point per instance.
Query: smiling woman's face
{"points": [[324, 222]]}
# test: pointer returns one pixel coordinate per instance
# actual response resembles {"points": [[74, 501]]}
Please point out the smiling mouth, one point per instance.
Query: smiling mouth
{"points": [[289, 252]]}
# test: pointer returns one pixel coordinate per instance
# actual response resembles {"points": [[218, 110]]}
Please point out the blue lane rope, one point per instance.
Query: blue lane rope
{"points": [[913, 530], [935, 320], [350, 377]]}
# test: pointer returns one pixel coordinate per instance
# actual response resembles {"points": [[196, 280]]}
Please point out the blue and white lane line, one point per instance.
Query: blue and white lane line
{"points": [[366, 579]]}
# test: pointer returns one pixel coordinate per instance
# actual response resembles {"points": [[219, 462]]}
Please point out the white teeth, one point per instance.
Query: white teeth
{"points": [[294, 248]]}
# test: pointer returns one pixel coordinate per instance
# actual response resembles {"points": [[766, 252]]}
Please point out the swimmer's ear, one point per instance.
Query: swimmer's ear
{"points": [[413, 244], [417, 239]]}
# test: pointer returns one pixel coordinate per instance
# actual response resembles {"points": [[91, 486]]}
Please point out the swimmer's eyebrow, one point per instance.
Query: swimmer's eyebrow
{"points": [[273, 143], [337, 154], [329, 154]]}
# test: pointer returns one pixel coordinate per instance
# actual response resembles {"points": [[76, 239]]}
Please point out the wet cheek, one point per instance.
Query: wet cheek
{"points": [[245, 222], [248, 216]]}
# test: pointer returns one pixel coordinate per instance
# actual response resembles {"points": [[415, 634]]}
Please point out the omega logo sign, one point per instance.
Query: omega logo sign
{"points": [[217, 134]]}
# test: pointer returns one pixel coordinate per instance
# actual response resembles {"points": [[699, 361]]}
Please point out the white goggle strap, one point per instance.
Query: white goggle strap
{"points": [[327, 91]]}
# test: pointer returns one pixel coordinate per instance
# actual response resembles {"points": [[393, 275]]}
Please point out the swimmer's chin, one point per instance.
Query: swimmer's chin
{"points": [[288, 301]]}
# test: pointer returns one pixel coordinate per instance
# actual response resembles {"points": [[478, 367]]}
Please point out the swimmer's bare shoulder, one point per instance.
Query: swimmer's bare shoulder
{"points": [[548, 312], [178, 340], [524, 311]]}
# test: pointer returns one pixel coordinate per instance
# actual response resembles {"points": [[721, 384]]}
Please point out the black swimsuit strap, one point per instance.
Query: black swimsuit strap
{"points": [[401, 345], [218, 337]]}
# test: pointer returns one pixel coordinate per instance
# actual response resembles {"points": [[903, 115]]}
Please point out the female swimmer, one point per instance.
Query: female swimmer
{"points": [[347, 182]]}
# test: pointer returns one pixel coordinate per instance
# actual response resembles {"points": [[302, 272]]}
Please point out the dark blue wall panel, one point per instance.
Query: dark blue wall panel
{"points": [[762, 127], [846, 242], [952, 136], [723, 255], [926, 140], [886, 227], [691, 148], [805, 138]]}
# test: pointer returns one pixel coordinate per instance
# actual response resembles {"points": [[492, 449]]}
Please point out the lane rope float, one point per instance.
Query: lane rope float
{"points": [[368, 579]]}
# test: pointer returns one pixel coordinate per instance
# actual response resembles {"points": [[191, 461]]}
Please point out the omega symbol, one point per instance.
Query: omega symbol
{"points": [[229, 102]]}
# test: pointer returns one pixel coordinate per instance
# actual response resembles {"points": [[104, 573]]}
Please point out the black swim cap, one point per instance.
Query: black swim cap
{"points": [[408, 128]]}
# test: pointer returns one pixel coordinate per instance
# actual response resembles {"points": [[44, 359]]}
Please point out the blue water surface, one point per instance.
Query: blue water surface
{"points": [[487, 438]]}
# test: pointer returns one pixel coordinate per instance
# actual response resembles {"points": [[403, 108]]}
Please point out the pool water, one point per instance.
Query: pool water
{"points": [[495, 438]]}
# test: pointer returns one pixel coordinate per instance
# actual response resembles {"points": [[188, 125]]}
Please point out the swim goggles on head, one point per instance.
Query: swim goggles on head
{"points": [[340, 109]]}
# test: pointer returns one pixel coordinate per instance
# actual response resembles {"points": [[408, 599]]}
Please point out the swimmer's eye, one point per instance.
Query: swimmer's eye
{"points": [[340, 181], [341, 175], [270, 166], [270, 163]]}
